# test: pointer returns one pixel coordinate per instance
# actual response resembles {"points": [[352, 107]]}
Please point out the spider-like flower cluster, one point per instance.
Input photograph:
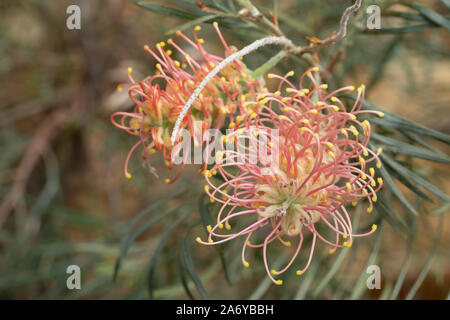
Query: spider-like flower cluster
{"points": [[319, 148], [157, 105], [324, 163]]}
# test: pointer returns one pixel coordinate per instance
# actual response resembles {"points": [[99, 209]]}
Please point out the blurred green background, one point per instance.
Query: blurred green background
{"points": [[65, 201]]}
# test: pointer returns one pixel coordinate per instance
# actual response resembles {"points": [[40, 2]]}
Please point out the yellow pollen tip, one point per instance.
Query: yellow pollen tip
{"points": [[128, 175], [288, 244], [349, 186], [198, 239], [130, 70], [315, 69], [351, 88], [279, 282], [146, 47], [324, 86], [221, 226], [206, 187], [270, 75], [378, 165], [167, 181], [333, 99], [208, 228], [380, 180], [314, 111], [273, 271], [227, 226], [381, 114], [369, 210], [169, 52], [288, 90], [343, 131], [379, 150], [374, 227], [331, 251], [198, 28], [354, 203], [215, 23], [290, 73], [119, 88], [246, 264], [298, 272]]}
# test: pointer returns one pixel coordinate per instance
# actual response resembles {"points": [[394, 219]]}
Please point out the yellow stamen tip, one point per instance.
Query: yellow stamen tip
{"points": [[167, 181], [128, 175], [198, 239], [208, 228], [246, 264], [279, 282]]}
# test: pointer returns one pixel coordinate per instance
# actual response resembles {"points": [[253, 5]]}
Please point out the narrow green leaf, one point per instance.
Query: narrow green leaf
{"points": [[432, 16], [207, 220], [393, 121], [131, 237], [446, 3], [410, 150], [396, 191], [385, 214], [404, 269], [440, 210], [166, 11], [272, 62], [401, 30], [411, 16], [360, 285], [427, 264], [191, 269], [193, 23], [337, 263], [184, 281], [411, 186], [154, 260], [414, 177]]}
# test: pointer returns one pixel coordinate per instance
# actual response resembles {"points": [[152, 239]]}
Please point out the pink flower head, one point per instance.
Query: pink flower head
{"points": [[158, 105], [323, 164]]}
